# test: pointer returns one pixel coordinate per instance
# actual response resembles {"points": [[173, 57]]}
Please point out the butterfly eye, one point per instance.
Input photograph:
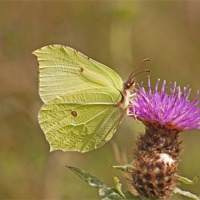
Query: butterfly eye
{"points": [[125, 85], [128, 84]]}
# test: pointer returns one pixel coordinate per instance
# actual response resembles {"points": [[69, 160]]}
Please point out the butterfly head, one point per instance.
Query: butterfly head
{"points": [[130, 83]]}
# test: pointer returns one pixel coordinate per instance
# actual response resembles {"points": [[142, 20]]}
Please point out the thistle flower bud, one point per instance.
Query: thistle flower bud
{"points": [[155, 163]]}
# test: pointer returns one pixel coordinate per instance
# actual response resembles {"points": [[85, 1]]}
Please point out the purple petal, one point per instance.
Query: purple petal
{"points": [[170, 109]]}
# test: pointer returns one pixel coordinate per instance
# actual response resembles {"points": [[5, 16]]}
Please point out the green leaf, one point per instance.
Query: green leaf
{"points": [[107, 193], [124, 168], [188, 181], [116, 193], [118, 186], [186, 194], [92, 180]]}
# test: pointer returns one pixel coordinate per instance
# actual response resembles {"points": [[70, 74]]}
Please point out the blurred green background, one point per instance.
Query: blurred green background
{"points": [[117, 33]]}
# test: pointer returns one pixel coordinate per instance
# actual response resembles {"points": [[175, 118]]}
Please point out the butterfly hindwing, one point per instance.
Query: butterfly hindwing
{"points": [[81, 121]]}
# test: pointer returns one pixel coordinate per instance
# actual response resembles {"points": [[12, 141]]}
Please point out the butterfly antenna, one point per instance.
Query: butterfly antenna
{"points": [[145, 70], [140, 64]]}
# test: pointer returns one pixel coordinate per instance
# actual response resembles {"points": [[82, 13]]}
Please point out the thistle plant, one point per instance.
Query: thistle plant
{"points": [[165, 114]]}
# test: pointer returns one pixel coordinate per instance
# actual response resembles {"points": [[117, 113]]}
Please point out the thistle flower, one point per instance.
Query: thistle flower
{"points": [[156, 156], [173, 111]]}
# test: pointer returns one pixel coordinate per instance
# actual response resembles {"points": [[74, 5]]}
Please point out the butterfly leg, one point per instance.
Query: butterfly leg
{"points": [[131, 113], [133, 96], [128, 112]]}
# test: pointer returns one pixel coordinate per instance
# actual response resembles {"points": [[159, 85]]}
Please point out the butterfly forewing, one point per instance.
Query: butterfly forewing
{"points": [[63, 70]]}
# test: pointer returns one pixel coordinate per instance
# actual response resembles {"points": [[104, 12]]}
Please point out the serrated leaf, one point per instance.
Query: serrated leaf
{"points": [[188, 181], [92, 180], [107, 193], [186, 194], [118, 186]]}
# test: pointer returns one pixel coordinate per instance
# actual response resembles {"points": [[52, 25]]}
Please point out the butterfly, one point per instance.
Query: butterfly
{"points": [[84, 100]]}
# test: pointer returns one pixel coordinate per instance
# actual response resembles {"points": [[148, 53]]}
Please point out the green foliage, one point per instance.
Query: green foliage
{"points": [[186, 194], [188, 181], [124, 168], [106, 193], [91, 180], [116, 193]]}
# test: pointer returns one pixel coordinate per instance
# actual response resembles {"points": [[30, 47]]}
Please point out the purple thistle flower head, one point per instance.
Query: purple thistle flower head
{"points": [[171, 110]]}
